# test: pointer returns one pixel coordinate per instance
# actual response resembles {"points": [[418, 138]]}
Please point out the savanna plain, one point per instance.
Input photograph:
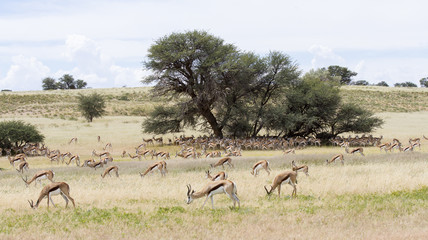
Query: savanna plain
{"points": [[377, 196]]}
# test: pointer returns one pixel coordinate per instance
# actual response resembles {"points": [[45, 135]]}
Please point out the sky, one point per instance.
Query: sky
{"points": [[105, 42]]}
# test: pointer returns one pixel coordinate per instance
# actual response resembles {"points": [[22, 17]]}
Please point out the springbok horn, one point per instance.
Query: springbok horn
{"points": [[267, 190]]}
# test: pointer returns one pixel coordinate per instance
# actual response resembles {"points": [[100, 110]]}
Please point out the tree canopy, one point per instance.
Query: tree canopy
{"points": [[382, 84], [18, 133], [91, 106], [345, 75], [216, 87]]}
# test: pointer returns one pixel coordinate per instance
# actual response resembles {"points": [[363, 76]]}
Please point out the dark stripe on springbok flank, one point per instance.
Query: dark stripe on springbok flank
{"points": [[215, 187], [285, 178], [153, 166], [256, 166], [40, 175], [299, 168], [53, 189]]}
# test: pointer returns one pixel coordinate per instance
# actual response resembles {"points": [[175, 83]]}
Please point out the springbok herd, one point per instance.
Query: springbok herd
{"points": [[191, 147]]}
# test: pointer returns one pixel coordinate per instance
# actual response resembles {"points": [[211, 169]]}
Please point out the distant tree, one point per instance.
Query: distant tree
{"points": [[65, 82], [382, 84], [91, 106], [405, 84], [49, 84], [424, 82], [18, 133], [344, 73], [80, 84], [361, 83]]}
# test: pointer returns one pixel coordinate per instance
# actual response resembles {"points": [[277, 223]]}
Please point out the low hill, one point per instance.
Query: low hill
{"points": [[137, 101]]}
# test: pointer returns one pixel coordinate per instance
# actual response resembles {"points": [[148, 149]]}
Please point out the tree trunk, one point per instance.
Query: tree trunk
{"points": [[217, 129]]}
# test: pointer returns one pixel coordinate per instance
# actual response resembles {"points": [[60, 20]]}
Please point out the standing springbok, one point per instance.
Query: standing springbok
{"points": [[51, 189], [223, 186], [259, 165], [289, 177]]}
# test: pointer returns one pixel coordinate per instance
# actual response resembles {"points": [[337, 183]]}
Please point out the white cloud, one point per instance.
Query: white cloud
{"points": [[110, 44], [95, 67], [25, 73], [324, 57], [360, 66], [88, 62], [126, 76]]}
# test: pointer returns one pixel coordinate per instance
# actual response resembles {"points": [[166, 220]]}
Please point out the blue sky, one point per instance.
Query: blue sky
{"points": [[104, 42]]}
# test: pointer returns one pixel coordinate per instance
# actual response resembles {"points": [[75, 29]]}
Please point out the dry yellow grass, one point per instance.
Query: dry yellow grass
{"points": [[380, 196], [356, 200]]}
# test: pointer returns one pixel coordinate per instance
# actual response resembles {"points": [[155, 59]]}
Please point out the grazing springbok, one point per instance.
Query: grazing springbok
{"points": [[334, 158], [359, 150], [39, 176], [221, 162], [217, 177], [259, 165], [22, 166], [161, 166], [223, 186], [109, 170], [301, 168], [51, 189], [289, 177]]}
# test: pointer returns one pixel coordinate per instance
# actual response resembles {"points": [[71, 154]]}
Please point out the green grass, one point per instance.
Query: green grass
{"points": [[376, 205]]}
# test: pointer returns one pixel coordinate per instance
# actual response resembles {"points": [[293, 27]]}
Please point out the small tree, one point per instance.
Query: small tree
{"points": [[91, 106], [49, 84], [382, 84], [67, 82], [18, 133], [361, 83], [424, 82], [344, 73], [405, 84], [80, 84]]}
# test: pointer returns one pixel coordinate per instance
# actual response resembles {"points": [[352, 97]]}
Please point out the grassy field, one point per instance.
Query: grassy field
{"points": [[379, 196]]}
